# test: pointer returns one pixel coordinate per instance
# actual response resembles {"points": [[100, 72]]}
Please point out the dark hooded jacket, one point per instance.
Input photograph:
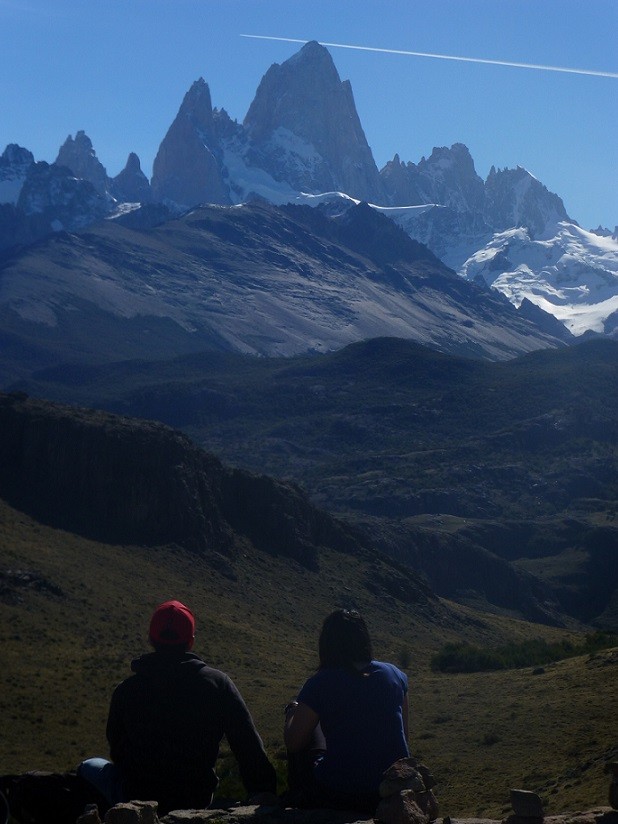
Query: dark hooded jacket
{"points": [[164, 729]]}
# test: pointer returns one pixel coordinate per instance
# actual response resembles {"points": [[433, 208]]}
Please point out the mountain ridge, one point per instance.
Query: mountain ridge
{"points": [[254, 278], [302, 142]]}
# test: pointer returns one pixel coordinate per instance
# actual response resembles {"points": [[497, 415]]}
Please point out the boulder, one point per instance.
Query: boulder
{"points": [[526, 804], [133, 812], [401, 808], [612, 769]]}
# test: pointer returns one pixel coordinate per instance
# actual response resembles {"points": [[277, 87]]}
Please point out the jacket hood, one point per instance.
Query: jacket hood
{"points": [[166, 664]]}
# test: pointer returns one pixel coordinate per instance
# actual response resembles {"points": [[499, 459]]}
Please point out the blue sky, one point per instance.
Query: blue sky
{"points": [[119, 68]]}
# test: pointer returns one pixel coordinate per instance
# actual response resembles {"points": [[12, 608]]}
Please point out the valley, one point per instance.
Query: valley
{"points": [[497, 481], [261, 567]]}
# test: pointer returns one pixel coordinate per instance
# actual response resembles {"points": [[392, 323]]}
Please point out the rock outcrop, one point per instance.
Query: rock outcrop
{"points": [[515, 198], [59, 200], [447, 178], [138, 482], [461, 207], [15, 163], [37, 199], [406, 794], [136, 812]]}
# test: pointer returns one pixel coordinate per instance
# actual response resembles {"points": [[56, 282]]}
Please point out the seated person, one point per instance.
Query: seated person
{"points": [[166, 722], [350, 722]]}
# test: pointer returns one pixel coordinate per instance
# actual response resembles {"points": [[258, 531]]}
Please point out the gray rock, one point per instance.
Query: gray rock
{"points": [[401, 808], [187, 168], [133, 812], [526, 804], [304, 128], [79, 156], [90, 815], [402, 775]]}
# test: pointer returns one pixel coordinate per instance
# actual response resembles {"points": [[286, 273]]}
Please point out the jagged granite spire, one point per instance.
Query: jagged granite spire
{"points": [[514, 197], [306, 130], [131, 184], [15, 163], [187, 169], [447, 178], [79, 156]]}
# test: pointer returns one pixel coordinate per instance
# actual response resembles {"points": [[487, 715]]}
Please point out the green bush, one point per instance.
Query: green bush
{"points": [[468, 658]]}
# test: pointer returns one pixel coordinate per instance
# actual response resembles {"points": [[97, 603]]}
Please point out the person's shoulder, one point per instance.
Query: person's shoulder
{"points": [[212, 678], [194, 663], [390, 670]]}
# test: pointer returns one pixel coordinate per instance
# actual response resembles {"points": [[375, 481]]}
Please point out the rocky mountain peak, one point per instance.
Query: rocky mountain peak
{"points": [[132, 165], [197, 107], [131, 184], [447, 178], [314, 55], [15, 155], [15, 162], [514, 198], [306, 130], [187, 169], [78, 155], [60, 200]]}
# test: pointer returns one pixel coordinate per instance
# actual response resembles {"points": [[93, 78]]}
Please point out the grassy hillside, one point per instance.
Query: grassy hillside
{"points": [[74, 612]]}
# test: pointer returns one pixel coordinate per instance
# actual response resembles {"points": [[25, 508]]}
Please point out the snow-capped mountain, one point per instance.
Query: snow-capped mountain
{"points": [[302, 142], [39, 198], [568, 272], [447, 177]]}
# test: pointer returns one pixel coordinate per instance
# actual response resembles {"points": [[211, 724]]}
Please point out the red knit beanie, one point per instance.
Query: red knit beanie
{"points": [[172, 623]]}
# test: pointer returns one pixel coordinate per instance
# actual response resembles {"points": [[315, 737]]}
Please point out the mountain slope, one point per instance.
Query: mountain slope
{"points": [[255, 279]]}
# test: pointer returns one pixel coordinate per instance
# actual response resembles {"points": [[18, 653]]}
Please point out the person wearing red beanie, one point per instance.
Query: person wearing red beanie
{"points": [[167, 720]]}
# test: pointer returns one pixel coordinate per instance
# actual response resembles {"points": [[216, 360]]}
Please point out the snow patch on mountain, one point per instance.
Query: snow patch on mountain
{"points": [[247, 182], [569, 272]]}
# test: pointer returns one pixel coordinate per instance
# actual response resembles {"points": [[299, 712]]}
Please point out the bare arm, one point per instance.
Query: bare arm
{"points": [[299, 726], [404, 715]]}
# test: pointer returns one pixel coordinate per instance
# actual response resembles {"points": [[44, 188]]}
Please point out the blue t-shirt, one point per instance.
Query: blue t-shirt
{"points": [[362, 722]]}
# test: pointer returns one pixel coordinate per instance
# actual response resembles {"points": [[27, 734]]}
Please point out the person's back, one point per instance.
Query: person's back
{"points": [[350, 722], [166, 722], [165, 726], [361, 718]]}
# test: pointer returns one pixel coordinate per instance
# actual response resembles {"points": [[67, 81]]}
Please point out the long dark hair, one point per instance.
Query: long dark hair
{"points": [[344, 641]]}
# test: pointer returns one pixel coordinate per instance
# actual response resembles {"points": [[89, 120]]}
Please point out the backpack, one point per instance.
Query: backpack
{"points": [[40, 797]]}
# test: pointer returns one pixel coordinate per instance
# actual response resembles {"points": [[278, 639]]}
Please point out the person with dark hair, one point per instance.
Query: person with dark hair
{"points": [[349, 723], [166, 723]]}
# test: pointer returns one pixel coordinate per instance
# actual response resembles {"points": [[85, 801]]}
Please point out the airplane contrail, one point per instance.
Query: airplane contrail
{"points": [[442, 56]]}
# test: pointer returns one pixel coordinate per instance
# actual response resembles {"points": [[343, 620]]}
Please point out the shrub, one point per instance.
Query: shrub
{"points": [[468, 658]]}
